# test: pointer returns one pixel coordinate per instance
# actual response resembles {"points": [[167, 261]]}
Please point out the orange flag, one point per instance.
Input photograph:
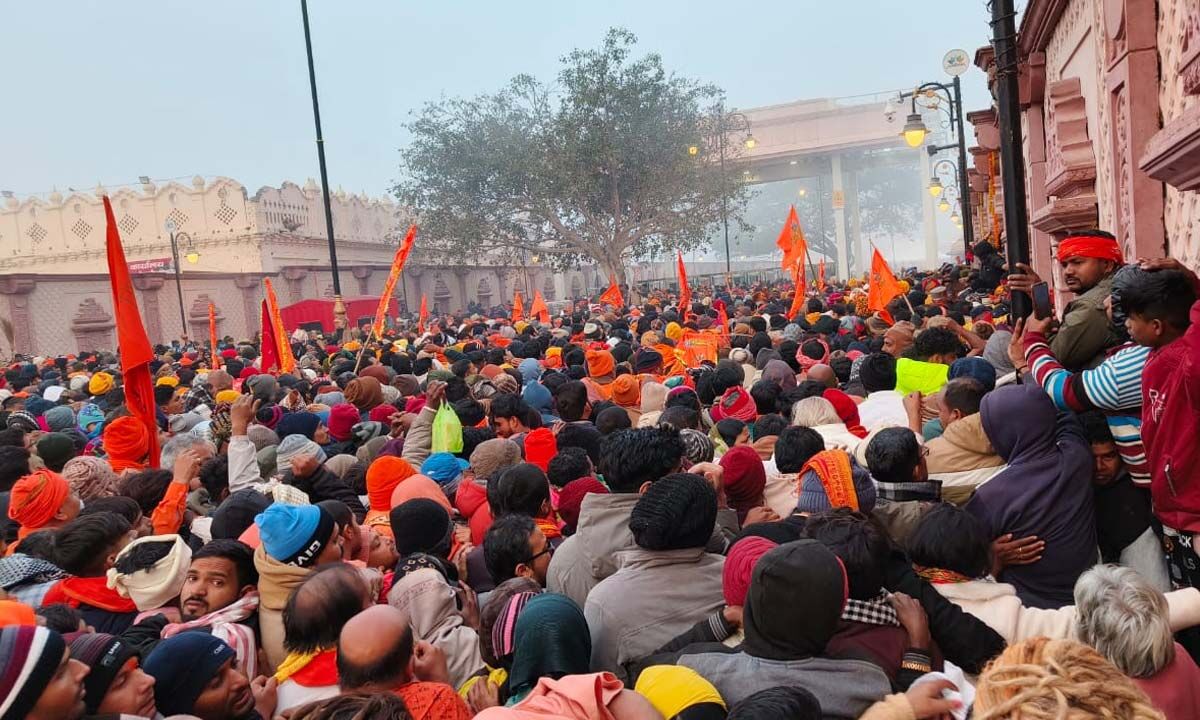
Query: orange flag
{"points": [[518, 306], [884, 285], [722, 319], [612, 296], [797, 308], [791, 241], [269, 345], [422, 315], [685, 292], [287, 361], [539, 308], [394, 274], [212, 335], [136, 352], [821, 275]]}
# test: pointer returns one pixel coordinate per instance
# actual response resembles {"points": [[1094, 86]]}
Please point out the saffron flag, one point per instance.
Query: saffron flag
{"points": [[612, 296], [539, 308], [518, 306], [422, 315], [884, 285], [134, 346], [791, 241], [685, 292], [212, 335], [821, 276], [270, 348], [287, 361], [797, 308], [722, 319], [394, 274]]}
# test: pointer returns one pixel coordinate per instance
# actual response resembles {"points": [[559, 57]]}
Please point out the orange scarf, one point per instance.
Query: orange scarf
{"points": [[833, 470]]}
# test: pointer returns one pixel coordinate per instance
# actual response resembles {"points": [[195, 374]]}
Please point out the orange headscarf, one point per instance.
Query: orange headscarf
{"points": [[626, 391], [37, 497], [127, 443], [833, 470], [600, 363], [383, 476]]}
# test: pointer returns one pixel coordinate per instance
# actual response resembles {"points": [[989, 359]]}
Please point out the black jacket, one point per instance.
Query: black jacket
{"points": [[324, 485]]}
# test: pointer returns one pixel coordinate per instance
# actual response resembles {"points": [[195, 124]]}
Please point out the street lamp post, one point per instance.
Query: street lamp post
{"points": [[339, 308], [740, 123], [915, 132], [192, 257]]}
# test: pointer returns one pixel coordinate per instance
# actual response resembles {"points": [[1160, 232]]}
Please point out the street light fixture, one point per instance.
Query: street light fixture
{"points": [[751, 142], [956, 218], [171, 228], [914, 130], [729, 122], [693, 150], [935, 187], [944, 205]]}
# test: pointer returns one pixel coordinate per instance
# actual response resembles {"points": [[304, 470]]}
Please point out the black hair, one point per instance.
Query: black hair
{"points": [[677, 512], [964, 394], [795, 446], [521, 489], [1166, 295], [163, 394], [778, 703], [729, 429], [355, 706], [877, 372], [506, 545], [143, 556], [680, 418], [951, 538], [456, 389], [12, 437], [40, 544], [893, 454], [812, 349], [685, 399], [571, 463], [82, 544], [14, 465], [571, 400], [119, 504], [313, 617], [214, 476], [235, 552], [728, 374], [841, 368], [508, 405], [581, 435], [766, 395], [460, 367], [339, 511], [861, 544], [611, 419], [1095, 427], [146, 487], [629, 458], [470, 412], [768, 425], [936, 341], [60, 617]]}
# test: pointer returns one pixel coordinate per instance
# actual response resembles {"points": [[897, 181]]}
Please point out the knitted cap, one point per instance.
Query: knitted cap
{"points": [[29, 658], [105, 654], [366, 431], [181, 666], [540, 447], [443, 467], [745, 477], [55, 449], [421, 525], [383, 475], [298, 423], [505, 630], [342, 419], [493, 455], [60, 418], [294, 534], [570, 498], [297, 446], [697, 447], [236, 513], [676, 512], [739, 565]]}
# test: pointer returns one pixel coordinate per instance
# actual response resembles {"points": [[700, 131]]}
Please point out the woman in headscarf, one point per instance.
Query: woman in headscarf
{"points": [[793, 608], [820, 415], [431, 604], [780, 373], [364, 393], [551, 640]]}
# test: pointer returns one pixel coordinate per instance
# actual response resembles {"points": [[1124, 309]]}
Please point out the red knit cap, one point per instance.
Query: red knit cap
{"points": [[735, 403], [570, 498], [342, 419], [540, 447]]}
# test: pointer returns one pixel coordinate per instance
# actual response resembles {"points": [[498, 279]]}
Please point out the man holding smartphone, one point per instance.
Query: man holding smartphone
{"points": [[1088, 259]]}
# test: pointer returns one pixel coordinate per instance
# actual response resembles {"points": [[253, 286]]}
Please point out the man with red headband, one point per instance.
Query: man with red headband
{"points": [[1088, 259]]}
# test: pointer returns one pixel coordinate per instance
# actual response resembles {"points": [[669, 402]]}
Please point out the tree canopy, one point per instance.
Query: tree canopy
{"points": [[615, 161]]}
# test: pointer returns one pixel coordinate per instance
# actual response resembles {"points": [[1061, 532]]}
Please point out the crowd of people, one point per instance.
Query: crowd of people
{"points": [[719, 510]]}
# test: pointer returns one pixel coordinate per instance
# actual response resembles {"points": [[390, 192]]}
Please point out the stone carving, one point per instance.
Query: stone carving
{"points": [[198, 316], [92, 326], [548, 291], [1070, 159], [484, 290]]}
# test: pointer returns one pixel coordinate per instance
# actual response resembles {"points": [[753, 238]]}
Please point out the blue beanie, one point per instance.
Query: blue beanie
{"points": [[977, 368], [294, 534], [443, 467], [298, 423], [181, 666]]}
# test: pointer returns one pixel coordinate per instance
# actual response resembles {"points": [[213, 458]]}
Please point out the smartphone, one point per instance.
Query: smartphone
{"points": [[1041, 301]]}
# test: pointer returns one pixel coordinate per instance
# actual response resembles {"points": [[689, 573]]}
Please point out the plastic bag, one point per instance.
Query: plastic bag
{"points": [[447, 431]]}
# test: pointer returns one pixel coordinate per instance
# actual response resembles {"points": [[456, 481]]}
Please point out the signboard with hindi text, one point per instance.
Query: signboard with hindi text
{"points": [[138, 267]]}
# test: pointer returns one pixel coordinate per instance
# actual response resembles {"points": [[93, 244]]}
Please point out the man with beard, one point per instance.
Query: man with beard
{"points": [[196, 674]]}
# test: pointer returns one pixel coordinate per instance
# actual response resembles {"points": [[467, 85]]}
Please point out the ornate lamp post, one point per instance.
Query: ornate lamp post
{"points": [[192, 255]]}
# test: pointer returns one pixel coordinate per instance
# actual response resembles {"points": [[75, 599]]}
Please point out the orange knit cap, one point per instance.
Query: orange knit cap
{"points": [[16, 613], [626, 391], [36, 498], [600, 363], [127, 443], [382, 478], [421, 486]]}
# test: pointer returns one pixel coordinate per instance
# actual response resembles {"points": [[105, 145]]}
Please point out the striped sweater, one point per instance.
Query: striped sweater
{"points": [[1114, 387]]}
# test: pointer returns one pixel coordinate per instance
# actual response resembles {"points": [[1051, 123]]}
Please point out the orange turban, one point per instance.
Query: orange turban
{"points": [[626, 391], [420, 486], [127, 443], [1090, 246], [553, 357], [36, 498], [382, 478], [600, 363], [16, 613]]}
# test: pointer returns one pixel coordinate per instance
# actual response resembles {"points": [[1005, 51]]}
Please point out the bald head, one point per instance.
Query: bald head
{"points": [[374, 650], [321, 606], [822, 374]]}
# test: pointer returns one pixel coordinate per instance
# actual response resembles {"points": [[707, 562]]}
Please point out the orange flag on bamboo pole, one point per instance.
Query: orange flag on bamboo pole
{"points": [[287, 361], [722, 319], [394, 274], [539, 308], [518, 306], [212, 335], [821, 276], [797, 307], [422, 316], [685, 292], [134, 346], [269, 345], [612, 296], [884, 285], [791, 241]]}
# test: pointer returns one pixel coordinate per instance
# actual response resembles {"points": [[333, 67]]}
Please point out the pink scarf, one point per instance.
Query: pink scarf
{"points": [[226, 624]]}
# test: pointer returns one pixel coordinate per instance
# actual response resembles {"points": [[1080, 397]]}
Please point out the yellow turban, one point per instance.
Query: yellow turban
{"points": [[353, 346], [227, 396], [100, 383], [674, 331], [520, 326], [671, 689], [167, 380]]}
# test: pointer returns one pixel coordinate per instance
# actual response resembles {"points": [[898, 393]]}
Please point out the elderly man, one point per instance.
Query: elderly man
{"points": [[1088, 260]]}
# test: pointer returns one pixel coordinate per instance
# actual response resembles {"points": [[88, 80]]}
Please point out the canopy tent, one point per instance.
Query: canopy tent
{"points": [[317, 313]]}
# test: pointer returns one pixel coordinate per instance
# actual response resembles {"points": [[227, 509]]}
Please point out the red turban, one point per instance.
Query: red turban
{"points": [[382, 478], [735, 403], [127, 443], [36, 498], [1090, 246], [846, 410], [342, 419], [739, 564]]}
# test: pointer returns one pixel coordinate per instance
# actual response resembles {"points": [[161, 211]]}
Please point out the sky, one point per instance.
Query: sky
{"points": [[108, 91]]}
